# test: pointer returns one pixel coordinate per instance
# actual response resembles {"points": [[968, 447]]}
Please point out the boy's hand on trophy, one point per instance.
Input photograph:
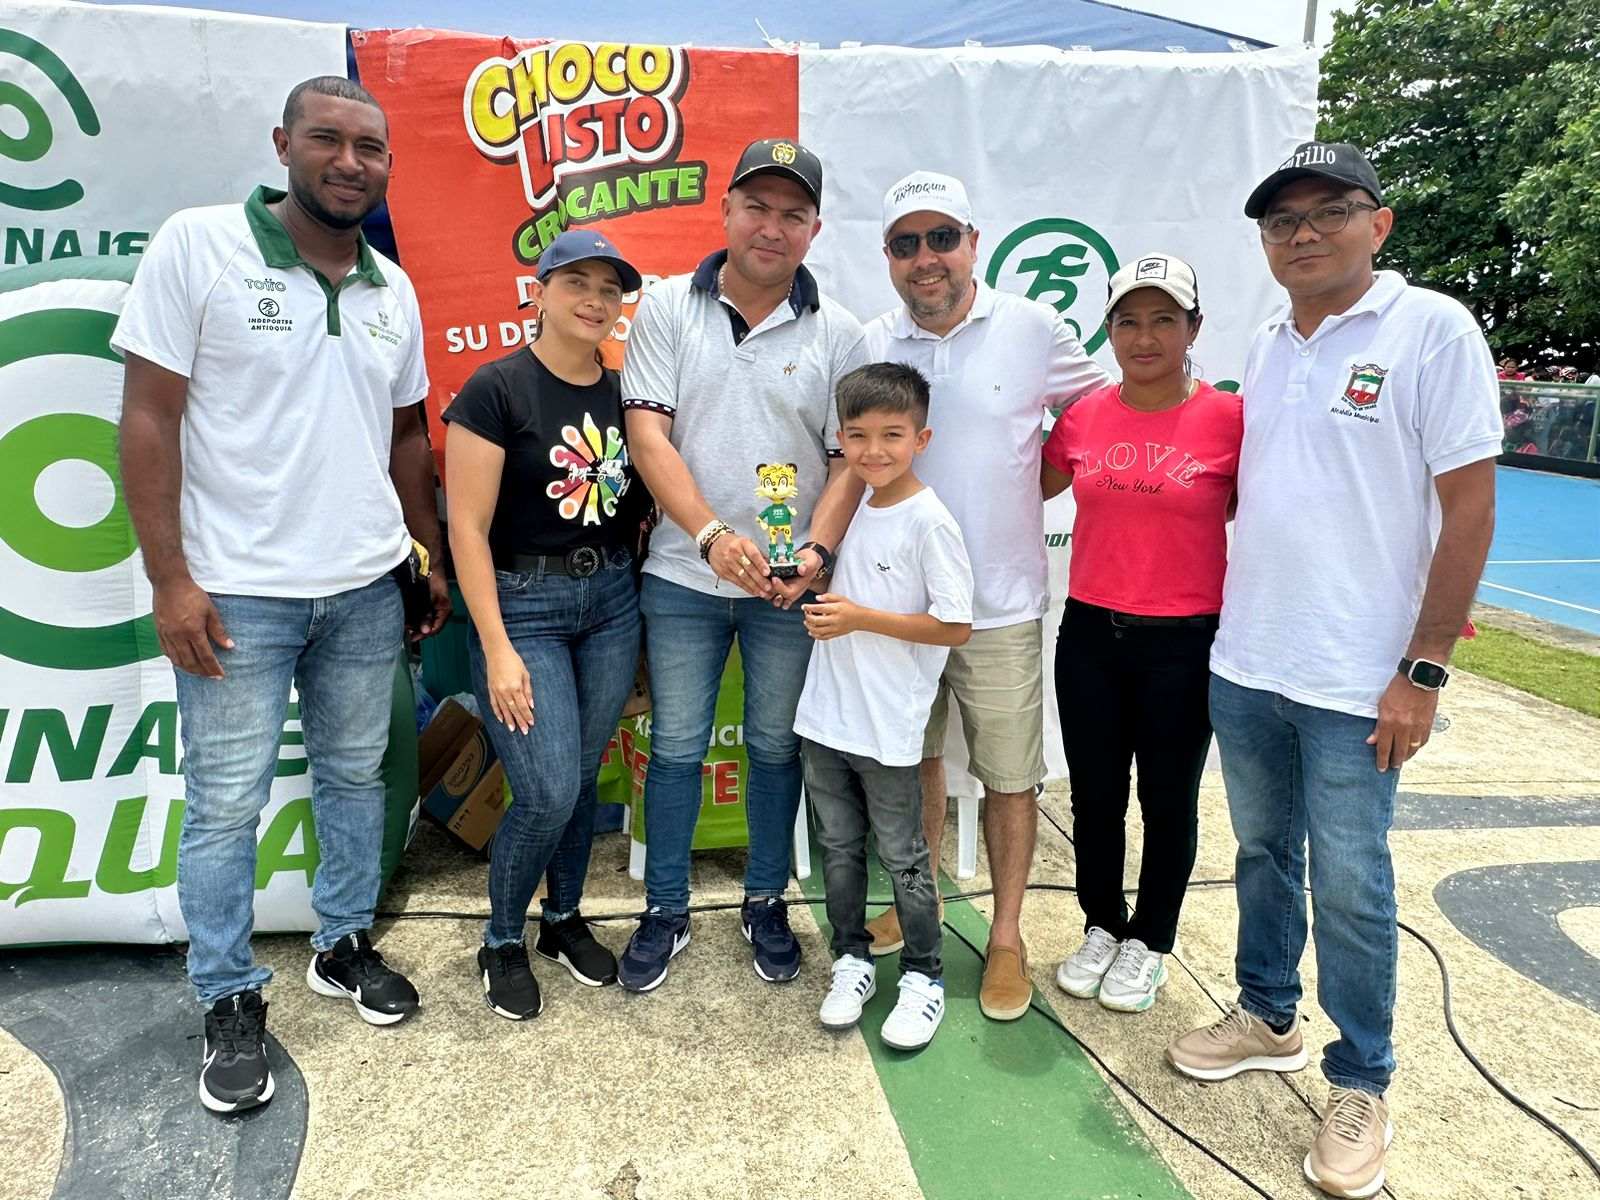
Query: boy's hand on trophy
{"points": [[831, 616]]}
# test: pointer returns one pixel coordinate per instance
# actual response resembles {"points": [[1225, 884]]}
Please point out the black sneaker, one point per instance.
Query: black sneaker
{"points": [[234, 1075], [766, 927], [650, 950], [571, 944], [508, 985], [356, 972]]}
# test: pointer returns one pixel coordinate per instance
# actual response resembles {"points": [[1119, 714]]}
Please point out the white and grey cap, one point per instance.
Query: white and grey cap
{"points": [[926, 191], [1172, 275]]}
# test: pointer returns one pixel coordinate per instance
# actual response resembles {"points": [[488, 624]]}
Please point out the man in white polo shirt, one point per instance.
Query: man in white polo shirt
{"points": [[728, 369], [273, 457], [1366, 507], [996, 363]]}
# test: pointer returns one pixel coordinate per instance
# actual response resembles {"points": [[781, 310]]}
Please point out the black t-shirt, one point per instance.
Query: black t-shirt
{"points": [[567, 480]]}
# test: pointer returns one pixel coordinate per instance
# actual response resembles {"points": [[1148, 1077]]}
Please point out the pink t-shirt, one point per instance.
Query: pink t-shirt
{"points": [[1152, 491]]}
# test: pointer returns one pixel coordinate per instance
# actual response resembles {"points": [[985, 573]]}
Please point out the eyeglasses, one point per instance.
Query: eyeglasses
{"points": [[1325, 219], [941, 241]]}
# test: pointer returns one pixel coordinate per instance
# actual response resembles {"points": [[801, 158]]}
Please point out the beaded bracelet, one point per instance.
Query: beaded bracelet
{"points": [[708, 536]]}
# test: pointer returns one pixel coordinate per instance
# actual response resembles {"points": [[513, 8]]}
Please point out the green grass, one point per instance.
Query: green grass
{"points": [[1568, 677]]}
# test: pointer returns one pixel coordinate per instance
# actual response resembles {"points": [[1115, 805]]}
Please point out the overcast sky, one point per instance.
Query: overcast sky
{"points": [[1277, 21]]}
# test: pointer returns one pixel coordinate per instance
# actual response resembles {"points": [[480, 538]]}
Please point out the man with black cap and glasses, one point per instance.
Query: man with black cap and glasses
{"points": [[1366, 507], [728, 370]]}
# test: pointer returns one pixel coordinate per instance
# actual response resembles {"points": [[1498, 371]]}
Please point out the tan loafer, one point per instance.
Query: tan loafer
{"points": [[1007, 991]]}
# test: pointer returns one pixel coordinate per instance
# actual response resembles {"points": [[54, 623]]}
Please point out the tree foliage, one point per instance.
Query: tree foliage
{"points": [[1483, 120]]}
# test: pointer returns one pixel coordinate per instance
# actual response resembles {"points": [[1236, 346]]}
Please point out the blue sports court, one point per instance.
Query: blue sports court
{"points": [[1545, 560]]}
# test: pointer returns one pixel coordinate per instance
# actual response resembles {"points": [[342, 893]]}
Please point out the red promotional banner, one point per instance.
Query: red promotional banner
{"points": [[501, 144]]}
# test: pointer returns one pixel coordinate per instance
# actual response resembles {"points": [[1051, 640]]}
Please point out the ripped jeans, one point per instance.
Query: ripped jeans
{"points": [[850, 794]]}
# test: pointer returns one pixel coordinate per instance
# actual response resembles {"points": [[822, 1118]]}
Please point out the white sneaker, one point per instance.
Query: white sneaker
{"points": [[1130, 985], [855, 981], [916, 1014], [1080, 975]]}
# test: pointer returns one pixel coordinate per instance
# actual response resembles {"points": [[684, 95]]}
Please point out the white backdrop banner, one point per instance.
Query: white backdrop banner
{"points": [[1075, 163], [110, 120], [113, 118]]}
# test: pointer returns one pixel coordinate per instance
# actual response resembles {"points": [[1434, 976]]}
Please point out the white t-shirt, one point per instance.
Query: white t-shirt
{"points": [[289, 416], [736, 405], [992, 377], [865, 693], [1344, 434]]}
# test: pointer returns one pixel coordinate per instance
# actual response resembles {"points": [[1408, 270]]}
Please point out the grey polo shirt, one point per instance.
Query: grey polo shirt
{"points": [[738, 399]]}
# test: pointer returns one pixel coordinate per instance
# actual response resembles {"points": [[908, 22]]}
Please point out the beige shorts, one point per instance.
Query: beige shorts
{"points": [[998, 682]]}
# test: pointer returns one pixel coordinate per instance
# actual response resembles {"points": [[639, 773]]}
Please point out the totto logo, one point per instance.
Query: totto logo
{"points": [[64, 528], [1064, 263], [265, 285], [38, 134]]}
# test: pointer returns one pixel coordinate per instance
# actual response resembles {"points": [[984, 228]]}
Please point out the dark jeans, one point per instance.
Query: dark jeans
{"points": [[1133, 693], [850, 793], [579, 639], [690, 634]]}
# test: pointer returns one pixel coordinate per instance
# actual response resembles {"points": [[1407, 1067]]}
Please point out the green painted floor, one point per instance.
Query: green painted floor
{"points": [[1000, 1109]]}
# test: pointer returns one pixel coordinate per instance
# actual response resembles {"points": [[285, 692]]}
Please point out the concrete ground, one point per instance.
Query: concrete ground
{"points": [[719, 1085]]}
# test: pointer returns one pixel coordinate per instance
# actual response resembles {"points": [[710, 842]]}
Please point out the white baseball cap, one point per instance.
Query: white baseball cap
{"points": [[925, 191], [1172, 275]]}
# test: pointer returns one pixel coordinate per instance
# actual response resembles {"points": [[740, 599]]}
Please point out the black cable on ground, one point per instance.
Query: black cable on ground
{"points": [[1049, 1015], [1450, 1023], [1449, 1013]]}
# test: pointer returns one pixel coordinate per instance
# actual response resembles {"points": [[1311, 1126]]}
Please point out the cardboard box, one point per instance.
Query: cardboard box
{"points": [[461, 781]]}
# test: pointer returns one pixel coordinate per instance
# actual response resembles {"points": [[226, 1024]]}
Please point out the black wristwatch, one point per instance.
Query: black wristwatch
{"points": [[823, 553], [1429, 676]]}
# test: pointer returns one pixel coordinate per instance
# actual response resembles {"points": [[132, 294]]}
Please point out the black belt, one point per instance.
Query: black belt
{"points": [[1133, 620], [579, 563]]}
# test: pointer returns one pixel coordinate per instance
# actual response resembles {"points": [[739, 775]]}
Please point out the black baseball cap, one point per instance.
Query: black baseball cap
{"points": [[781, 156], [1338, 161], [575, 245]]}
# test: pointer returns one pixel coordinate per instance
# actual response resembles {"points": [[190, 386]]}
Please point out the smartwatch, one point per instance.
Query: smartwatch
{"points": [[821, 552], [1429, 676]]}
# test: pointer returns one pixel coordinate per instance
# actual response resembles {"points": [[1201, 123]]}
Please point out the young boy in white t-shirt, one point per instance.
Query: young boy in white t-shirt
{"points": [[901, 597]]}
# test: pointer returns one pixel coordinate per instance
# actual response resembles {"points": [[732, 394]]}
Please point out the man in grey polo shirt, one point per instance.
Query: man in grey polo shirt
{"points": [[273, 457], [728, 369]]}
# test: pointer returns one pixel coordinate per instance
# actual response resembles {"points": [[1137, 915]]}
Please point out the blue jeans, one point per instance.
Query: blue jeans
{"points": [[340, 652], [579, 639], [689, 634], [1297, 775]]}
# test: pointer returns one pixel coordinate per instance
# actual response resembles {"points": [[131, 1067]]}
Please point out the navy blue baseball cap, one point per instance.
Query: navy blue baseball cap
{"points": [[576, 245]]}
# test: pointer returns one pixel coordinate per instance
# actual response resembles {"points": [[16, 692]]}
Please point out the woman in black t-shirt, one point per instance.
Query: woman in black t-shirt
{"points": [[545, 515]]}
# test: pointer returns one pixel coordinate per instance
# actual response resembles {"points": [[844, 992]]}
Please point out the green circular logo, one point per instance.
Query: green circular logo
{"points": [[27, 451], [1058, 261], [38, 134], [25, 454]]}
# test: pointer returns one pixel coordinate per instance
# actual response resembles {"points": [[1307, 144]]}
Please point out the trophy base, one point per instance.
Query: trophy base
{"points": [[784, 570]]}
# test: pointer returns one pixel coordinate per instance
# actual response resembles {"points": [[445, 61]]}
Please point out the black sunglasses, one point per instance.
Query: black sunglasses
{"points": [[941, 241]]}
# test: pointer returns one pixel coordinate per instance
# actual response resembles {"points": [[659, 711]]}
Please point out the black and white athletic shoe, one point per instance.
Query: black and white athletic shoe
{"points": [[234, 1075], [508, 985], [571, 944], [354, 971]]}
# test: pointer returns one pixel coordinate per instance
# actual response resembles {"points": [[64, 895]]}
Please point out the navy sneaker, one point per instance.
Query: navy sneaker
{"points": [[354, 971], [650, 951], [766, 927]]}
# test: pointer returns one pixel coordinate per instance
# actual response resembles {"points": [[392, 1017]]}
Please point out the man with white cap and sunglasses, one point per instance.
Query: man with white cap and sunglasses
{"points": [[1366, 508], [996, 363]]}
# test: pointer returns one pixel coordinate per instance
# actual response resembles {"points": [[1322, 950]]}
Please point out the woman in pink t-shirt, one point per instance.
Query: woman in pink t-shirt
{"points": [[1151, 462]]}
